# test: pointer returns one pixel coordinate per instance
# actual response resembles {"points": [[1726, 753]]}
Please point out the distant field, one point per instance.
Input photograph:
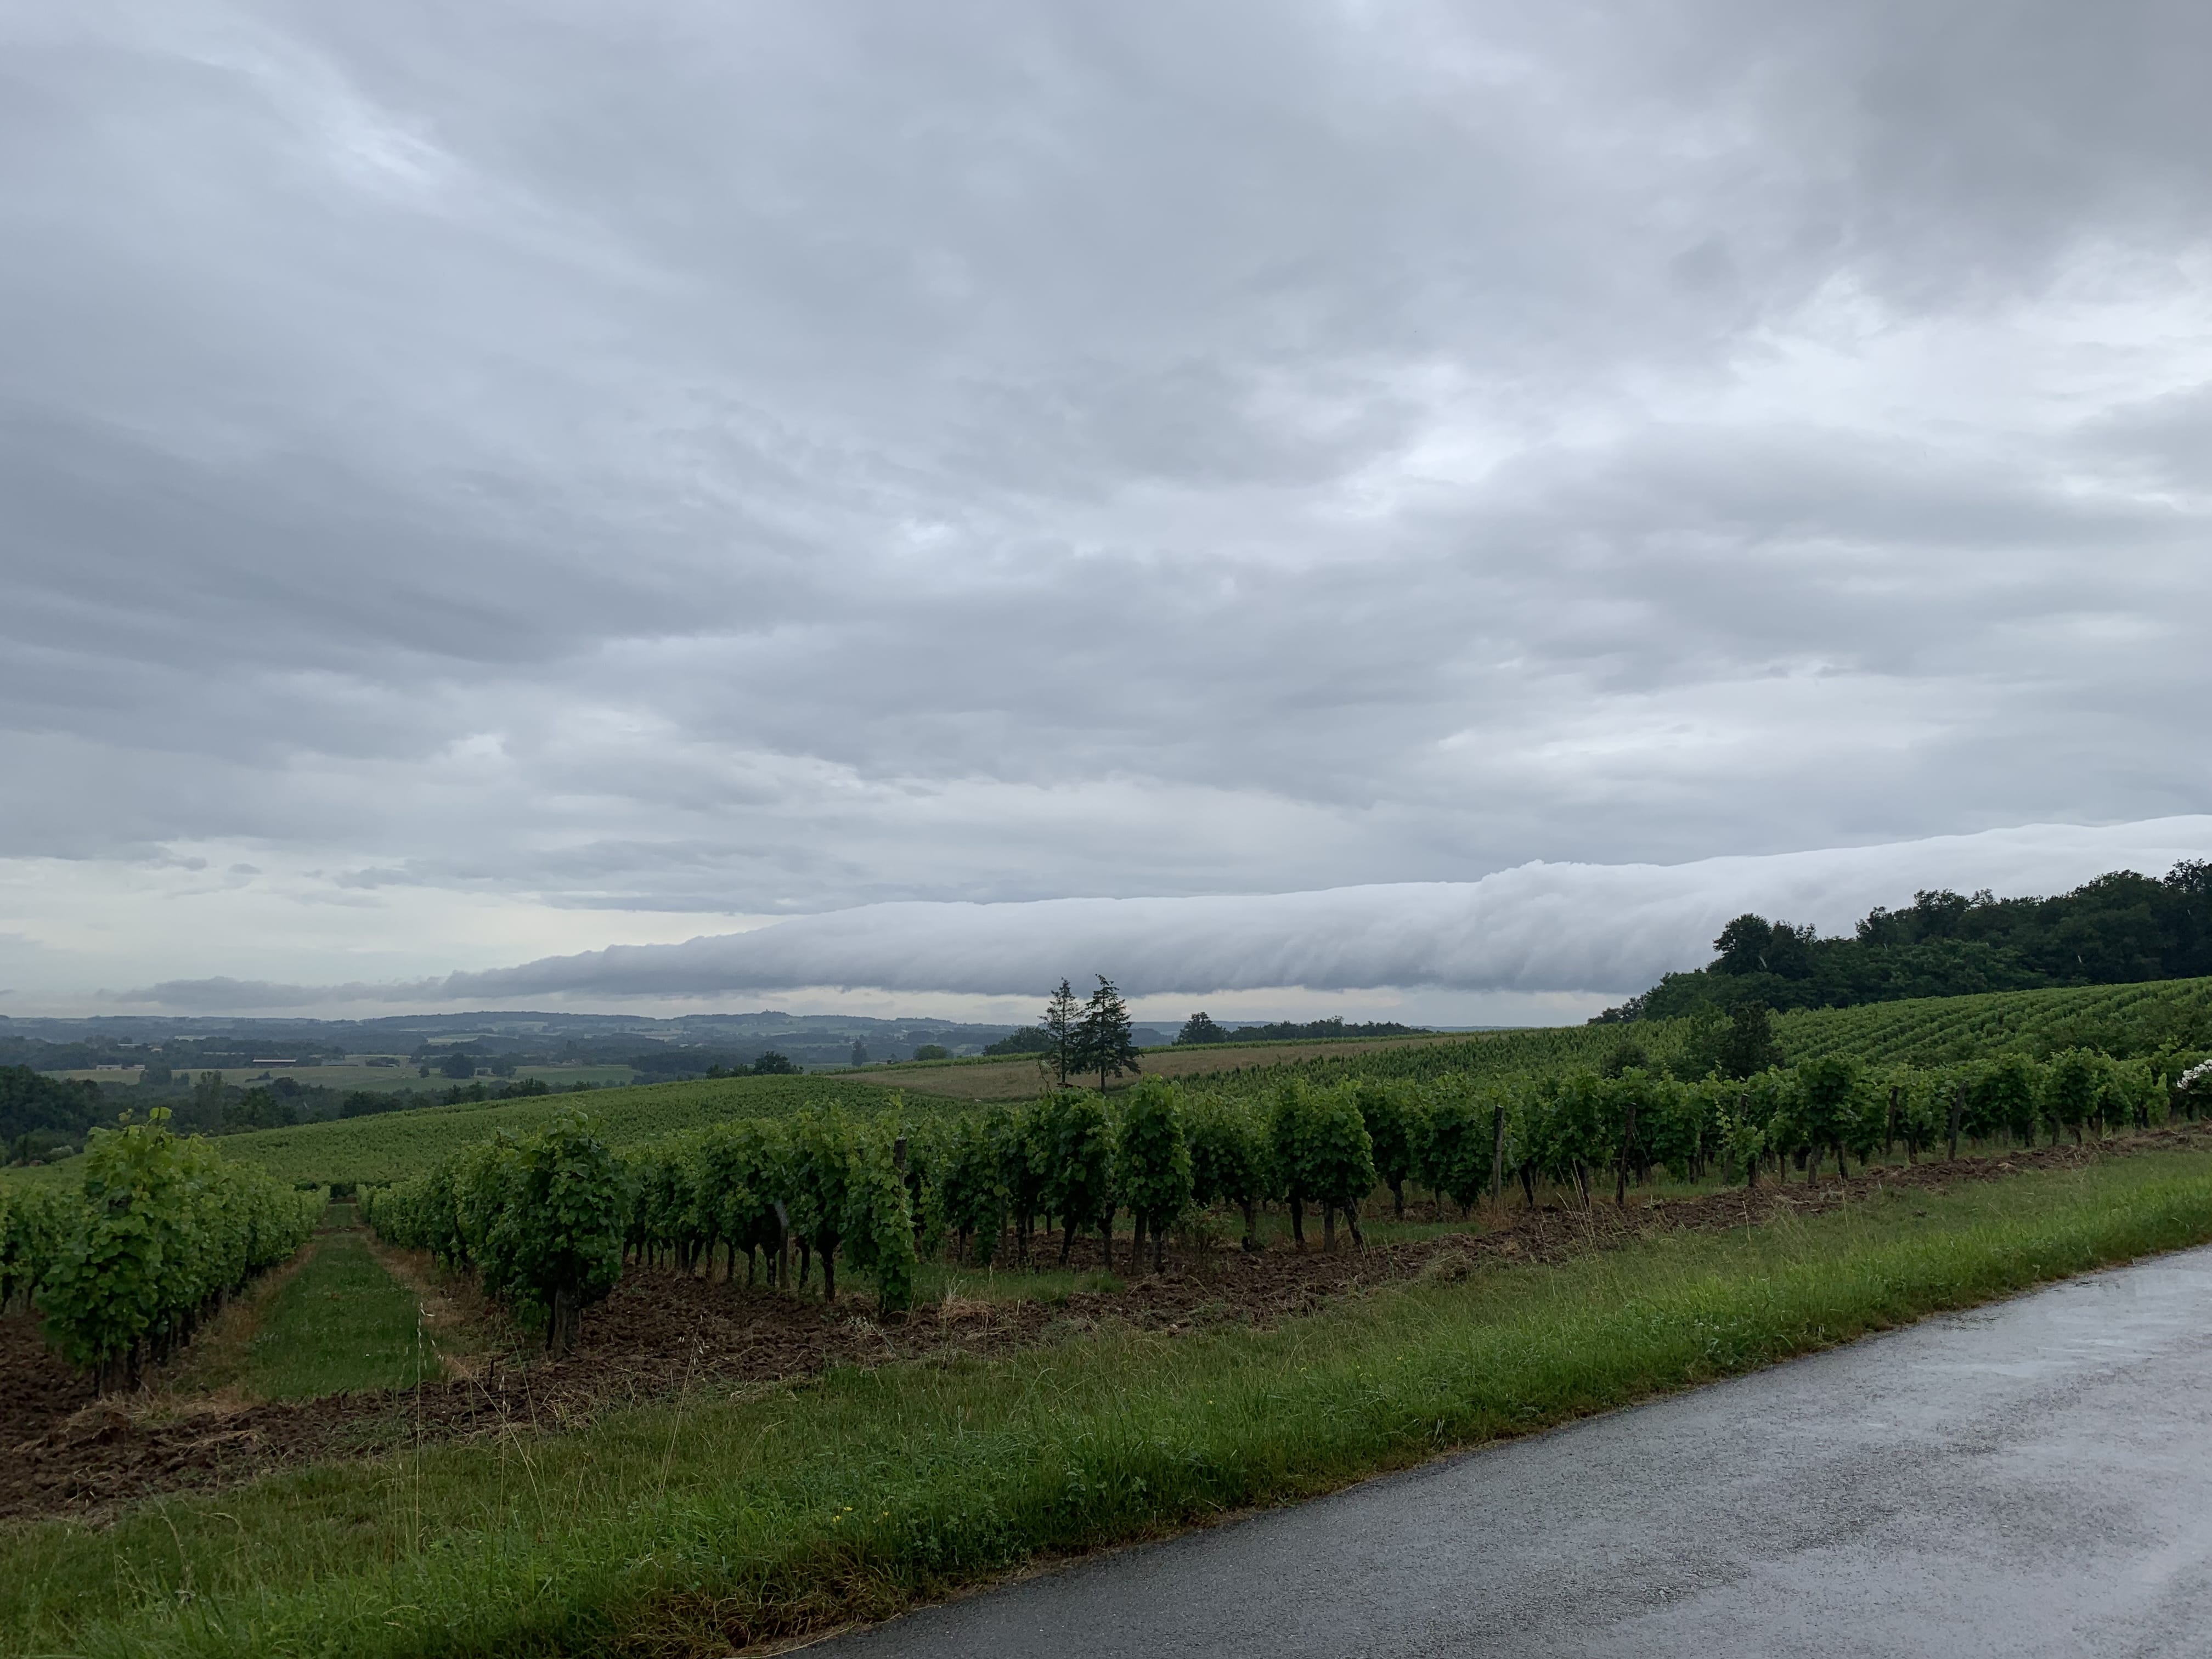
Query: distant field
{"points": [[366, 1077], [1539, 1051], [1018, 1077], [395, 1144], [2120, 1018]]}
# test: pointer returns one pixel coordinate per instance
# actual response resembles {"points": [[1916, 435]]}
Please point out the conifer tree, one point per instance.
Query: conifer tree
{"points": [[1105, 1039], [1062, 1025]]}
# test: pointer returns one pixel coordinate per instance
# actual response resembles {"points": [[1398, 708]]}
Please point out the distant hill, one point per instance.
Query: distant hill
{"points": [[688, 1045]]}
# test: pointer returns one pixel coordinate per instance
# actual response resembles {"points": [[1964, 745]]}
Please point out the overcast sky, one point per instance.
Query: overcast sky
{"points": [[481, 484]]}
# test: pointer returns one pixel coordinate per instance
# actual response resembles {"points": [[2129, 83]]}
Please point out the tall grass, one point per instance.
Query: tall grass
{"points": [[688, 1527]]}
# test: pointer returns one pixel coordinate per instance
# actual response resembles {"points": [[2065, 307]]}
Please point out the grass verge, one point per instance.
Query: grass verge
{"points": [[691, 1527]]}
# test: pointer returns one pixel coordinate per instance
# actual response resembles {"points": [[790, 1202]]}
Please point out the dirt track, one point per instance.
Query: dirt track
{"points": [[661, 1333]]}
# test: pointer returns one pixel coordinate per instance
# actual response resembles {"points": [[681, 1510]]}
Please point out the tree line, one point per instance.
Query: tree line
{"points": [[1201, 1028], [2120, 928], [38, 1112]]}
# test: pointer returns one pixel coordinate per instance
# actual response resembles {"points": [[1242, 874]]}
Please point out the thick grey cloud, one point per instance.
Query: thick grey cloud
{"points": [[673, 458], [1539, 927]]}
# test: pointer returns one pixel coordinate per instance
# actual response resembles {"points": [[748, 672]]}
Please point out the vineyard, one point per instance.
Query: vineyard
{"points": [[690, 1252], [158, 1232], [788, 1180], [549, 1220], [394, 1146], [1544, 1051], [2122, 1020], [978, 1078]]}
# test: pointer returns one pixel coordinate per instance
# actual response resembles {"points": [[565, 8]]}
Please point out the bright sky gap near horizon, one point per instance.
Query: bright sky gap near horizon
{"points": [[1389, 507]]}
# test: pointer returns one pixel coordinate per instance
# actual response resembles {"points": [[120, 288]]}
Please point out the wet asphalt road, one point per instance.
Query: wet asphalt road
{"points": [[2030, 1479]]}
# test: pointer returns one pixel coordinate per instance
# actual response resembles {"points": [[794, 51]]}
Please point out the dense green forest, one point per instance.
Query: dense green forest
{"points": [[31, 1105], [2119, 929]]}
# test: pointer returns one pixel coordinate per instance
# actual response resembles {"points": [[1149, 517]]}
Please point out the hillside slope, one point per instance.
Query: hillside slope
{"points": [[2121, 1019]]}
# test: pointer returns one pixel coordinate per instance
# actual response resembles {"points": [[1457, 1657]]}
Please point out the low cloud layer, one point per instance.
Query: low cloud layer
{"points": [[1540, 927]]}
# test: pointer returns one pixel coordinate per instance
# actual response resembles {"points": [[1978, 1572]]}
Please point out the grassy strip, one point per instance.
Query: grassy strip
{"points": [[341, 1323], [683, 1528]]}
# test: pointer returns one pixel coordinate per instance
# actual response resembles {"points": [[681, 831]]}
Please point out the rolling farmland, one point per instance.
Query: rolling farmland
{"points": [[376, 1078], [1020, 1077], [2121, 1019], [393, 1145]]}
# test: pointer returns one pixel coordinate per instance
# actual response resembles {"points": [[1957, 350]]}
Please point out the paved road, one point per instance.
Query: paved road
{"points": [[2031, 1478]]}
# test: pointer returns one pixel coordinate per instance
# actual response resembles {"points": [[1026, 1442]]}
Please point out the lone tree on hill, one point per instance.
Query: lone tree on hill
{"points": [[1062, 1028], [1200, 1028], [1104, 1040]]}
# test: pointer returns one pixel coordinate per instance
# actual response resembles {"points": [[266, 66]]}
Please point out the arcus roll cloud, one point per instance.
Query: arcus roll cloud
{"points": [[1538, 927]]}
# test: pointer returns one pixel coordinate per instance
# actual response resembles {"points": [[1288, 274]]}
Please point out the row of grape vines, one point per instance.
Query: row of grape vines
{"points": [[549, 1220], [124, 1266], [546, 1220]]}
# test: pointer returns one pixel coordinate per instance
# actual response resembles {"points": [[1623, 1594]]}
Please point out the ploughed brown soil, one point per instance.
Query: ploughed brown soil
{"points": [[62, 1453]]}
